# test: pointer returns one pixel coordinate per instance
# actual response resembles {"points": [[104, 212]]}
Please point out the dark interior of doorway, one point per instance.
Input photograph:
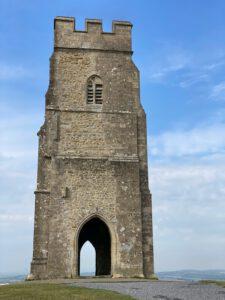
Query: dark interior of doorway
{"points": [[97, 233]]}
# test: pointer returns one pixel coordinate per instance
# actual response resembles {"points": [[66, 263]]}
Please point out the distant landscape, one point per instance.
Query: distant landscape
{"points": [[194, 275], [190, 275]]}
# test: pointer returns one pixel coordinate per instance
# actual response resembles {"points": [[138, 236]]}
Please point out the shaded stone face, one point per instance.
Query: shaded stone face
{"points": [[92, 168]]}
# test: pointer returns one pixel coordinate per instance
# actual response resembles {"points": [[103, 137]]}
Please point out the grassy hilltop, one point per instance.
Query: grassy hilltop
{"points": [[45, 291]]}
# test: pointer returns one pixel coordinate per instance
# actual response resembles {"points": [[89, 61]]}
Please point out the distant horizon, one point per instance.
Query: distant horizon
{"points": [[187, 275], [88, 272]]}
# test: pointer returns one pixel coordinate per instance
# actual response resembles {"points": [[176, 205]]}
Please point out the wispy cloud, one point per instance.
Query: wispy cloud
{"points": [[15, 217], [168, 64], [218, 63], [194, 78], [218, 92], [200, 140], [173, 66], [176, 66], [8, 71]]}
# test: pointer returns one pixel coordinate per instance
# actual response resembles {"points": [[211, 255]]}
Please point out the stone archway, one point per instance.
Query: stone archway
{"points": [[97, 233]]}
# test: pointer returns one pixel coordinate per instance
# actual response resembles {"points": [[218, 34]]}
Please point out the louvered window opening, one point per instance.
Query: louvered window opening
{"points": [[90, 97], [94, 91]]}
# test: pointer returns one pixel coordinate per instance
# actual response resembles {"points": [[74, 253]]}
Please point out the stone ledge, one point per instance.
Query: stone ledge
{"points": [[60, 48], [55, 108], [109, 158], [41, 192]]}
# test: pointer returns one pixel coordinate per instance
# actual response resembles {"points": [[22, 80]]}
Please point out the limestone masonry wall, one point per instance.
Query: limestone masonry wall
{"points": [[93, 37], [92, 157]]}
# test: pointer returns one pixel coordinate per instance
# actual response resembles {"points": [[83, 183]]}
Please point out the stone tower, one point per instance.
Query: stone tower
{"points": [[92, 181]]}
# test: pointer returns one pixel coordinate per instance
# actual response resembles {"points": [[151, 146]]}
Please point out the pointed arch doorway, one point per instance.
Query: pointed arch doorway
{"points": [[97, 233]]}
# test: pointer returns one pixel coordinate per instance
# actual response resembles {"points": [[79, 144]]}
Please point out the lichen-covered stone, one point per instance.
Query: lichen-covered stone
{"points": [[92, 157]]}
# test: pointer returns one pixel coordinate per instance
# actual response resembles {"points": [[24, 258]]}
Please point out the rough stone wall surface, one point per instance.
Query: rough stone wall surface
{"points": [[92, 157]]}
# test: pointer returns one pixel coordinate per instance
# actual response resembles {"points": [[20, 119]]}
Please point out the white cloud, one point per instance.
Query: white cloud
{"points": [[187, 180], [183, 68], [8, 71], [198, 140], [216, 64], [18, 129], [192, 79], [172, 62], [188, 215], [15, 217], [218, 92], [18, 163]]}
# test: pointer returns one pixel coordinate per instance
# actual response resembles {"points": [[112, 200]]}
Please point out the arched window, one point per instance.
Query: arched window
{"points": [[94, 90]]}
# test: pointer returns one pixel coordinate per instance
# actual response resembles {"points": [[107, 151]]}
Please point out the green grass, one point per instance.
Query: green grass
{"points": [[46, 291], [217, 282]]}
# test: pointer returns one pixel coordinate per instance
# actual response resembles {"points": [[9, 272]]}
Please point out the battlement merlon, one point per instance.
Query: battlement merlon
{"points": [[66, 36]]}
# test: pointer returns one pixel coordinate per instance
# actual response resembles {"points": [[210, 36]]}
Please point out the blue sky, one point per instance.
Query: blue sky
{"points": [[179, 47]]}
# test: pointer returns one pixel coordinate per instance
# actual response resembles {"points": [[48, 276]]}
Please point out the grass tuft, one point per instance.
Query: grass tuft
{"points": [[221, 283], [153, 277]]}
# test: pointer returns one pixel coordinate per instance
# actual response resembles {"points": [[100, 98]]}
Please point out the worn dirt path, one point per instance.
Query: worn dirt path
{"points": [[160, 290]]}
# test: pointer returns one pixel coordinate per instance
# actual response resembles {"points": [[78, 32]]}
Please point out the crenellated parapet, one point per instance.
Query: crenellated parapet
{"points": [[93, 37]]}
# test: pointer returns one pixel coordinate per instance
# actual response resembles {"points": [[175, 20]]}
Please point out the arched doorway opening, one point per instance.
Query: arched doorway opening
{"points": [[97, 233], [87, 260]]}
